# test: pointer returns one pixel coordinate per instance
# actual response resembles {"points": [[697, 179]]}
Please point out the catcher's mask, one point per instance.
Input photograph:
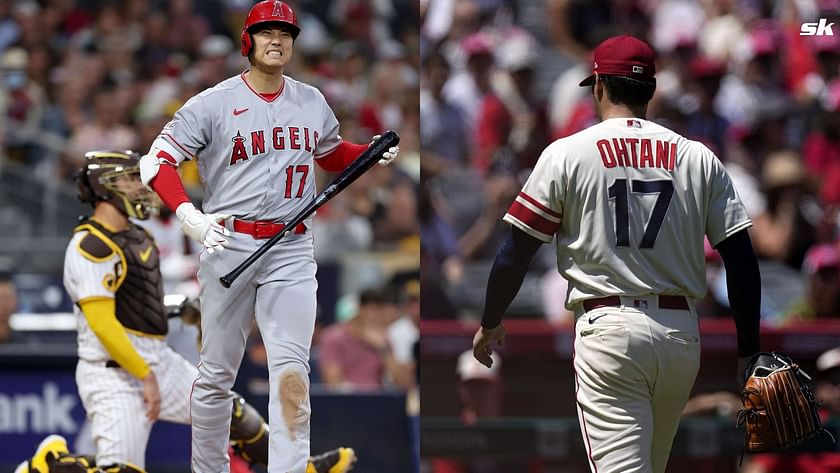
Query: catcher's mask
{"points": [[114, 176]]}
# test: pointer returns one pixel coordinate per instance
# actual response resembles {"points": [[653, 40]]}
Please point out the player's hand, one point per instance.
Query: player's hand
{"points": [[151, 396], [482, 341], [203, 228], [387, 156]]}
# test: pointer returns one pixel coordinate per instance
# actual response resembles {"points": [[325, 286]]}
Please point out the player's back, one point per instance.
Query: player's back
{"points": [[634, 199]]}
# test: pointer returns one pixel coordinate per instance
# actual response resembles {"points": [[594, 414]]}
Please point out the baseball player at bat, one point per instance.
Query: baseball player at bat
{"points": [[127, 376], [256, 137], [629, 203]]}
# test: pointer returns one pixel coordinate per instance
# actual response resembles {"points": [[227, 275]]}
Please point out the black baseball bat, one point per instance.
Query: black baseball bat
{"points": [[357, 168]]}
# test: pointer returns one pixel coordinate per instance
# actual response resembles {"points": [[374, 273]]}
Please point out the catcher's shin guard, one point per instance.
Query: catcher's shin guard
{"points": [[248, 432], [340, 460], [123, 468], [48, 450], [72, 464]]}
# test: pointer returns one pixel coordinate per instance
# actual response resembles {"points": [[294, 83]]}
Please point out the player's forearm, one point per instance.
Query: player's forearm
{"points": [[167, 184], [100, 314], [341, 157], [507, 274], [743, 282]]}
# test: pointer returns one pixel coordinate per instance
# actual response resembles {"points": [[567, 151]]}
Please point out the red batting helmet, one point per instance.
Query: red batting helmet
{"points": [[264, 12]]}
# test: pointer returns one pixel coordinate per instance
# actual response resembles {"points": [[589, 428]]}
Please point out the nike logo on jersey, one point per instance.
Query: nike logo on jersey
{"points": [[239, 112], [144, 255], [593, 319]]}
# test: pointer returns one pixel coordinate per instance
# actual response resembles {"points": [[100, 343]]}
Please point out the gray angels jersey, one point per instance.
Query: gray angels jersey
{"points": [[255, 156]]}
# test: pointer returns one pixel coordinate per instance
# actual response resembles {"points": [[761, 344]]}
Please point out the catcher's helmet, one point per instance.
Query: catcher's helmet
{"points": [[264, 12], [114, 176]]}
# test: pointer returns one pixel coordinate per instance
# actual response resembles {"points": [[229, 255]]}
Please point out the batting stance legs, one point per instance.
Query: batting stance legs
{"points": [[635, 366], [280, 288]]}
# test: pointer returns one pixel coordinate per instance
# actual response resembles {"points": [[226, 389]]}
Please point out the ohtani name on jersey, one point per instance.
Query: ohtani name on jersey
{"points": [[637, 153], [280, 138]]}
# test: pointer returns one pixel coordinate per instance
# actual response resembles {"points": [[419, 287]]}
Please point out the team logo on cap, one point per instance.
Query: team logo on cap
{"points": [[595, 66], [638, 70], [277, 9]]}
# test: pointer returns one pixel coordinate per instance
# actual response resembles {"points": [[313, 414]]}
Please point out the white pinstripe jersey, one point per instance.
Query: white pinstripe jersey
{"points": [[629, 202], [255, 156], [86, 279]]}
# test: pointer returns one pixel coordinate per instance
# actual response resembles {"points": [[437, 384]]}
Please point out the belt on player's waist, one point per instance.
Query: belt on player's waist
{"points": [[112, 364], [261, 229], [665, 302]]}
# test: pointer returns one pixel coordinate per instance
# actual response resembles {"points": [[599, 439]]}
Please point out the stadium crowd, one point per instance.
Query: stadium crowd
{"points": [[500, 82]]}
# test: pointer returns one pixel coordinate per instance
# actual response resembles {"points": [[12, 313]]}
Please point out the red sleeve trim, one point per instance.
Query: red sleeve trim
{"points": [[533, 219], [167, 183], [339, 158], [540, 206]]}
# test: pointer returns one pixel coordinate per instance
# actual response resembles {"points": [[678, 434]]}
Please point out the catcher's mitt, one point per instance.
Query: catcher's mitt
{"points": [[779, 408]]}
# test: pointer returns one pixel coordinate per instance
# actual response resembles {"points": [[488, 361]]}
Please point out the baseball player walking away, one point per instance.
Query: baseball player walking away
{"points": [[127, 376], [629, 202], [256, 136]]}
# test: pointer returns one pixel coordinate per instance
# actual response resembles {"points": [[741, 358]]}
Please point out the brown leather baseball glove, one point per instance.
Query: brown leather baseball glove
{"points": [[779, 408]]}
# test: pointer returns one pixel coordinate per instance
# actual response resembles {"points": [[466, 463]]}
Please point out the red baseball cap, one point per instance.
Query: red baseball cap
{"points": [[622, 56]]}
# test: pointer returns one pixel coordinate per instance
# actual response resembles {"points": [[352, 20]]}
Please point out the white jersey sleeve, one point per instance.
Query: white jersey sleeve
{"points": [[189, 130], [89, 277], [330, 139], [726, 213], [538, 209]]}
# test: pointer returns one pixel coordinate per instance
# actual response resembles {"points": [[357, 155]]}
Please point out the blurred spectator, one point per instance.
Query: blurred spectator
{"points": [[784, 230], [827, 395], [384, 108], [348, 88], [483, 235], [480, 392], [821, 149], [340, 230], [212, 66], [356, 355], [703, 122], [395, 218], [404, 333], [439, 257], [821, 300], [443, 136], [722, 404], [466, 88], [22, 103], [105, 130], [757, 79], [511, 126], [480, 388], [9, 29], [8, 305]]}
